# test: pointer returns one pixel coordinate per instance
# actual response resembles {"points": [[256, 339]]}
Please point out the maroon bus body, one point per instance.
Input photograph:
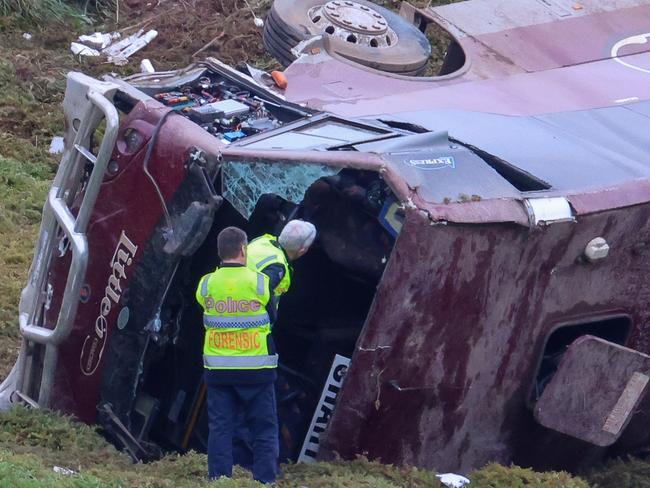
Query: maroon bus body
{"points": [[445, 364], [443, 370]]}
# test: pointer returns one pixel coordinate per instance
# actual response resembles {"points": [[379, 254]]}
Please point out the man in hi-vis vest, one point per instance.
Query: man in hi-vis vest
{"points": [[272, 255], [239, 359]]}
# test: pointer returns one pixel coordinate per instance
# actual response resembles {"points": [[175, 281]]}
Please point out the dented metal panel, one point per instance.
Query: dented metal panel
{"points": [[570, 151], [595, 391], [440, 170], [443, 366]]}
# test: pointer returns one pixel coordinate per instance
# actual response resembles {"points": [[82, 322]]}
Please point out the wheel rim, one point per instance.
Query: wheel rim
{"points": [[354, 23]]}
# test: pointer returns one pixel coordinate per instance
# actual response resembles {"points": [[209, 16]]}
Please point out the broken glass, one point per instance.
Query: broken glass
{"points": [[245, 183]]}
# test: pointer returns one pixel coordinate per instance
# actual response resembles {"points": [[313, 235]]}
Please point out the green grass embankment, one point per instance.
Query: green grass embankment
{"points": [[33, 442]]}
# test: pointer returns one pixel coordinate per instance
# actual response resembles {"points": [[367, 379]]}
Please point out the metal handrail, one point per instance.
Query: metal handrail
{"points": [[56, 212]]}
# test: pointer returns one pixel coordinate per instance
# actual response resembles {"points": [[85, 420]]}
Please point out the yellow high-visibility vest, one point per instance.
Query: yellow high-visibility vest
{"points": [[265, 250], [236, 323]]}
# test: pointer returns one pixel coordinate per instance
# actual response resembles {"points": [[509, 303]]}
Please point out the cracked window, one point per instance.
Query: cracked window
{"points": [[245, 183]]}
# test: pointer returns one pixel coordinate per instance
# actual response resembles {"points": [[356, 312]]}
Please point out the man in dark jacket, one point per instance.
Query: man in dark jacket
{"points": [[239, 359]]}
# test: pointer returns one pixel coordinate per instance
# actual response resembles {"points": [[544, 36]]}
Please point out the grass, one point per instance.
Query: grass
{"points": [[25, 171], [497, 476], [29, 116], [32, 442], [46, 11], [621, 473], [22, 192]]}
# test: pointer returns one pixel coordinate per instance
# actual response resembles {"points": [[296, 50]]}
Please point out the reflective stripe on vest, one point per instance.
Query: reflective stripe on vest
{"points": [[204, 286], [267, 259], [241, 321], [240, 362]]}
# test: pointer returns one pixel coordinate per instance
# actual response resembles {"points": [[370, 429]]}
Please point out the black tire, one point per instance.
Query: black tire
{"points": [[278, 46], [284, 42], [271, 45], [408, 55], [281, 43], [295, 29], [278, 55], [285, 29]]}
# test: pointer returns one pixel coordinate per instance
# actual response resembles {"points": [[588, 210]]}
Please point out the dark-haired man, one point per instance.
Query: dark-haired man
{"points": [[239, 359]]}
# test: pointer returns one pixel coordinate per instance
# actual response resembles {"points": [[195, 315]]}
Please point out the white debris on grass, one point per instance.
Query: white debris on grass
{"points": [[99, 40], [146, 66], [121, 57], [56, 146], [63, 471], [259, 23], [104, 44], [452, 480], [114, 49], [82, 50], [27, 35]]}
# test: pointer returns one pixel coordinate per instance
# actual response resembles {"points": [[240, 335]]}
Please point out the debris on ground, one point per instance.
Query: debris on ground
{"points": [[81, 50], [56, 146], [118, 52], [63, 471], [146, 66], [120, 57], [99, 40], [452, 480]]}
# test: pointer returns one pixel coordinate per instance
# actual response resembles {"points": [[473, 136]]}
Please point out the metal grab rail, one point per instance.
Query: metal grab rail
{"points": [[56, 213]]}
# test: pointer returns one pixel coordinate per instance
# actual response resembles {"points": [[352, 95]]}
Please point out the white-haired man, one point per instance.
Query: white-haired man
{"points": [[272, 255]]}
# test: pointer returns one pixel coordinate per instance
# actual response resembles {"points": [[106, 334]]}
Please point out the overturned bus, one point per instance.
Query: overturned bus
{"points": [[477, 291]]}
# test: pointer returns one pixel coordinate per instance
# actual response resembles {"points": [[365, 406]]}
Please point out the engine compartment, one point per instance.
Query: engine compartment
{"points": [[226, 103], [224, 110]]}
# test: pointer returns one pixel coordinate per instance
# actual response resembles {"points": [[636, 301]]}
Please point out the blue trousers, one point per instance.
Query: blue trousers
{"points": [[257, 404]]}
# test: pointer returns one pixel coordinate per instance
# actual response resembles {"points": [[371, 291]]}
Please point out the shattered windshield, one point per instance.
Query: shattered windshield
{"points": [[244, 183]]}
